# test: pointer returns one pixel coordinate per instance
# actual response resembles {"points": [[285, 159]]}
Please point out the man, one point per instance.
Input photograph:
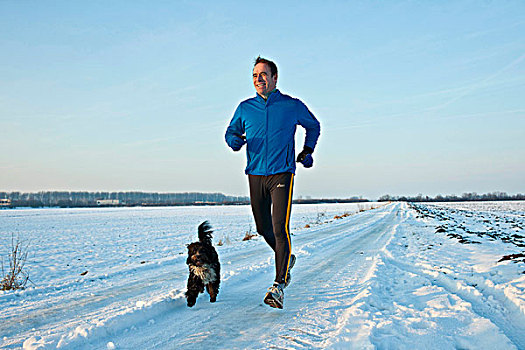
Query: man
{"points": [[266, 123]]}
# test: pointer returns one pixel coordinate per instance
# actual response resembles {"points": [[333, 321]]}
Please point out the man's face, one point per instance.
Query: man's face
{"points": [[262, 79]]}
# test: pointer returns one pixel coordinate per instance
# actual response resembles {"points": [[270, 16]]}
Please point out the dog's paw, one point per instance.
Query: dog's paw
{"points": [[213, 299], [191, 302]]}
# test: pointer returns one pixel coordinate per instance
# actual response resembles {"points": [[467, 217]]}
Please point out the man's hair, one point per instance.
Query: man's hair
{"points": [[273, 66]]}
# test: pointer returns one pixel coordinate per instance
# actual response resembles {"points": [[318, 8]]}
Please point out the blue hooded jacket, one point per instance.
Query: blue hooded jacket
{"points": [[270, 127]]}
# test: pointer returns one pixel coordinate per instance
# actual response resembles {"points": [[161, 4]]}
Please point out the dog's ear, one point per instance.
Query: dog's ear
{"points": [[191, 246]]}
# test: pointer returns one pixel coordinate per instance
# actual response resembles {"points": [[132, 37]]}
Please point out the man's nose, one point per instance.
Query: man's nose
{"points": [[260, 78]]}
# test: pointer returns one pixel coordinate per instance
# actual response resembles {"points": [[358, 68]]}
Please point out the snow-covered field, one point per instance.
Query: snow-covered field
{"points": [[427, 276]]}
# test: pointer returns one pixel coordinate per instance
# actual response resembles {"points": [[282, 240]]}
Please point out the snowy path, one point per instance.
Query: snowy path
{"points": [[323, 287], [379, 279]]}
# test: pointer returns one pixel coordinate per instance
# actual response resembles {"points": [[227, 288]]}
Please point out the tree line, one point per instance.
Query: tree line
{"points": [[470, 196], [90, 199]]}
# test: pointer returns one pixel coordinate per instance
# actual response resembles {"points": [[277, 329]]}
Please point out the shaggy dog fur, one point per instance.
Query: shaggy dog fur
{"points": [[204, 266]]}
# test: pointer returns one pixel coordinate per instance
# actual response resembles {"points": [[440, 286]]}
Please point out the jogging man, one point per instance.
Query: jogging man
{"points": [[266, 123]]}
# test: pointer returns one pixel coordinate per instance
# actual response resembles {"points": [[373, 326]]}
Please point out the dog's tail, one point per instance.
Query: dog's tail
{"points": [[205, 233]]}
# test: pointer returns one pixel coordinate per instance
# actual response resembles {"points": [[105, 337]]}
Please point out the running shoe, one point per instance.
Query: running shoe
{"points": [[275, 296]]}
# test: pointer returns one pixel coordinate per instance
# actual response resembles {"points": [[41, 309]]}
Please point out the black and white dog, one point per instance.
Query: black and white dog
{"points": [[204, 266]]}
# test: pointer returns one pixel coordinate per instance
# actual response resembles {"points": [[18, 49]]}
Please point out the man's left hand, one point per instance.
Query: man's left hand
{"points": [[308, 161], [305, 157]]}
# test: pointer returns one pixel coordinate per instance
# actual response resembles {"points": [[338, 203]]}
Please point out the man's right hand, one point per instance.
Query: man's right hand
{"points": [[237, 143]]}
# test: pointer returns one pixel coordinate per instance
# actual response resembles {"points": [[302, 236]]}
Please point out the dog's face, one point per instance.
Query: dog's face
{"points": [[198, 254]]}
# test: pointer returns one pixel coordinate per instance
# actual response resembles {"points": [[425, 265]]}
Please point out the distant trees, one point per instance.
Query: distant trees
{"points": [[469, 196], [330, 200], [89, 199]]}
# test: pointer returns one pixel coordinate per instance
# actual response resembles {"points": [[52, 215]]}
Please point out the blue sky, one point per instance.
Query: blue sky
{"points": [[413, 97]]}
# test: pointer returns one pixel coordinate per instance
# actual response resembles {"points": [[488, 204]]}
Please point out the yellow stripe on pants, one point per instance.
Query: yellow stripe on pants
{"points": [[287, 227]]}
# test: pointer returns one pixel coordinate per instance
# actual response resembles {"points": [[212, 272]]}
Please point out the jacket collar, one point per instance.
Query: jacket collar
{"points": [[273, 96]]}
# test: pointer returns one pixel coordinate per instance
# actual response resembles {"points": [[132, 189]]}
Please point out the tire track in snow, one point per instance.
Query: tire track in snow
{"points": [[336, 282], [486, 301]]}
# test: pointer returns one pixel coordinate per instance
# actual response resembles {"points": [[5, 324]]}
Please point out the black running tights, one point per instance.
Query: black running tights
{"points": [[271, 200]]}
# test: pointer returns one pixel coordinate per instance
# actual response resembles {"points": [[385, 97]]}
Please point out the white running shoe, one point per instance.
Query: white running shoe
{"points": [[275, 296]]}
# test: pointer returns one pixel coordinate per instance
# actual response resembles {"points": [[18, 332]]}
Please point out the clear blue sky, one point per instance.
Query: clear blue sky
{"points": [[413, 97]]}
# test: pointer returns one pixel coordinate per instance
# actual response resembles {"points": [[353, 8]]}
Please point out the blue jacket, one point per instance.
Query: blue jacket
{"points": [[270, 132]]}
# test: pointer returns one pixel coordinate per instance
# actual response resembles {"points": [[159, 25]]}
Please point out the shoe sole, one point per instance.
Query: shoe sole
{"points": [[271, 301]]}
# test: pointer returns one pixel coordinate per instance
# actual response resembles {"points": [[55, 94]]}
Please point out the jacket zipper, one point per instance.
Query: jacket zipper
{"points": [[267, 131]]}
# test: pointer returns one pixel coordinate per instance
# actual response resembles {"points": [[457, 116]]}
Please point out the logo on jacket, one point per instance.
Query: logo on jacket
{"points": [[280, 185]]}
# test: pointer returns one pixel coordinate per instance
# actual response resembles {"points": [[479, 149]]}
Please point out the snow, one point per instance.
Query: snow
{"points": [[384, 276]]}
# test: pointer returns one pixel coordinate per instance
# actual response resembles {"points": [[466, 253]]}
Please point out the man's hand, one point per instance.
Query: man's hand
{"points": [[237, 143], [305, 157]]}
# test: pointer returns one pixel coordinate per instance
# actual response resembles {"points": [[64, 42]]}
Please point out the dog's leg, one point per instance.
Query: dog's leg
{"points": [[212, 292], [213, 289], [215, 284], [191, 299], [195, 286]]}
